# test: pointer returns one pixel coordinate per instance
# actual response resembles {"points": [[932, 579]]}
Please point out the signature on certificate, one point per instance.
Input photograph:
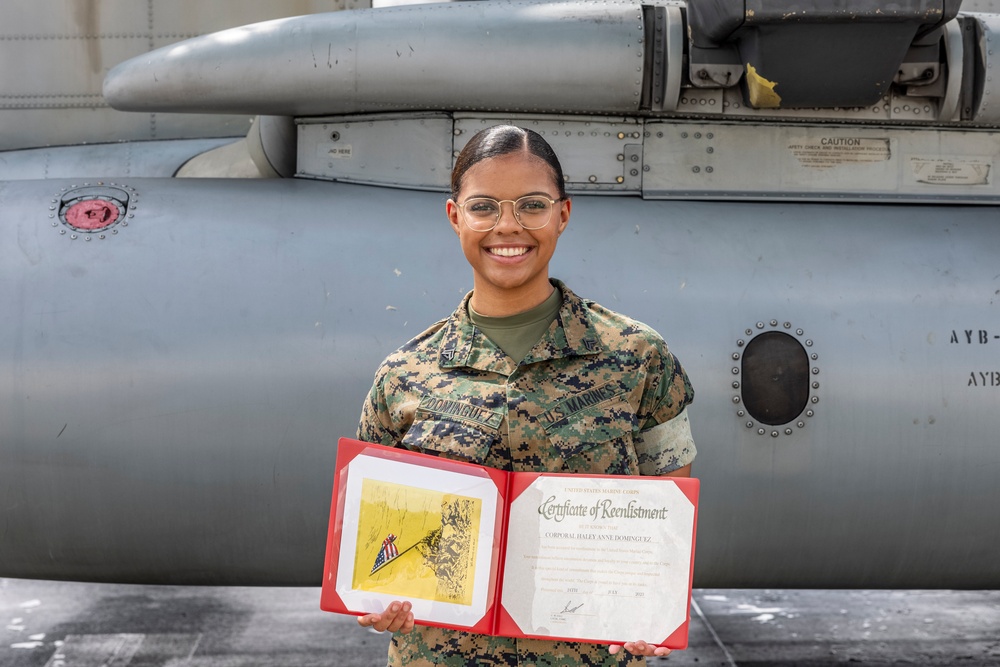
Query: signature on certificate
{"points": [[570, 610]]}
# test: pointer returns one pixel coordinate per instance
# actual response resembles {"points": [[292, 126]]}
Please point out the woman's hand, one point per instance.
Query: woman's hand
{"points": [[640, 648], [396, 618]]}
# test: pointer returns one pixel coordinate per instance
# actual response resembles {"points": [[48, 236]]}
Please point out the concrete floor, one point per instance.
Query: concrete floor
{"points": [[55, 624]]}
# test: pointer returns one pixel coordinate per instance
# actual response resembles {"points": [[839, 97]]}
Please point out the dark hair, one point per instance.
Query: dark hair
{"points": [[503, 140]]}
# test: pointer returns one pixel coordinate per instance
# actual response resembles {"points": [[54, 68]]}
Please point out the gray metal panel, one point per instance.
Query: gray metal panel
{"points": [[988, 54], [400, 58], [718, 160], [138, 159], [173, 393], [418, 150], [408, 151], [54, 55]]}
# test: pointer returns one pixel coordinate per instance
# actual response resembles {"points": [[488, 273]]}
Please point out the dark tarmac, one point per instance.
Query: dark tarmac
{"points": [[55, 624]]}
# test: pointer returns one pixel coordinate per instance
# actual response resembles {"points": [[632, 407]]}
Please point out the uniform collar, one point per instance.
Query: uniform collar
{"points": [[572, 334]]}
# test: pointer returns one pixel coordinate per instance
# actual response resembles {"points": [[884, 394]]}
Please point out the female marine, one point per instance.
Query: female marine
{"points": [[536, 379]]}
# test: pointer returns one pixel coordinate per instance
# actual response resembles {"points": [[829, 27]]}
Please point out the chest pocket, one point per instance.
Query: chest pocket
{"points": [[597, 439], [453, 429]]}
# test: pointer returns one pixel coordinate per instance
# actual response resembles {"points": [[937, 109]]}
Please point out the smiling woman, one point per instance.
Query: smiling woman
{"points": [[525, 376]]}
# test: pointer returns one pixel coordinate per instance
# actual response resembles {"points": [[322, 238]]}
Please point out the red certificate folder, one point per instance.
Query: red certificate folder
{"points": [[516, 554]]}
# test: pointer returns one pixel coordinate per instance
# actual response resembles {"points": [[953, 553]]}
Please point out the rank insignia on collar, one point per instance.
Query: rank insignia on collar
{"points": [[448, 353], [590, 344]]}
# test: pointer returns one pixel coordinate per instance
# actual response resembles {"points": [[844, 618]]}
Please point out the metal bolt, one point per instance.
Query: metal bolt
{"points": [[801, 424], [774, 434], [740, 343], [740, 413], [736, 399], [815, 371], [815, 385], [697, 135], [788, 431], [696, 169], [814, 399], [799, 332], [809, 413], [774, 323], [645, 167], [814, 356], [620, 179], [709, 170], [760, 325], [592, 179], [736, 371], [736, 385], [787, 325], [634, 158], [709, 150], [809, 343], [736, 355], [335, 136], [761, 431], [749, 424], [620, 157], [749, 332]]}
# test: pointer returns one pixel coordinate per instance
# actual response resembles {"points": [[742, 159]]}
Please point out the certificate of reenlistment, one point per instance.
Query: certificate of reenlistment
{"points": [[597, 558]]}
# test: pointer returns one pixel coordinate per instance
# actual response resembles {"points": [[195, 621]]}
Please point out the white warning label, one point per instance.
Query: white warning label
{"points": [[951, 171], [338, 151], [829, 152]]}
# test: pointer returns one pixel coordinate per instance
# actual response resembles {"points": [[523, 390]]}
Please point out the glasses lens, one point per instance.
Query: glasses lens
{"points": [[481, 213], [533, 212]]}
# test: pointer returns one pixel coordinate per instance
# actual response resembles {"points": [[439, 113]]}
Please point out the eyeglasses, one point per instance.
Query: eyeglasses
{"points": [[531, 212]]}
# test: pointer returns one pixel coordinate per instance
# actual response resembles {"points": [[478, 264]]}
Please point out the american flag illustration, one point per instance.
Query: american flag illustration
{"points": [[386, 553]]}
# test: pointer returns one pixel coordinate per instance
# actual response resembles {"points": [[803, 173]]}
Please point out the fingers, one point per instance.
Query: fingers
{"points": [[640, 648], [401, 617], [398, 617]]}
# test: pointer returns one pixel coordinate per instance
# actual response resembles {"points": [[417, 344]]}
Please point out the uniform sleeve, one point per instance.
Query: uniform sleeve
{"points": [[376, 424], [664, 441], [665, 447]]}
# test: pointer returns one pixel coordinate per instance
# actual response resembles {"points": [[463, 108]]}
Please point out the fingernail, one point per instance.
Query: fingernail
{"points": [[394, 607]]}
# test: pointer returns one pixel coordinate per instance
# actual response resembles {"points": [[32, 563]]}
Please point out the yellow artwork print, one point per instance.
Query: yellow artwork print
{"points": [[416, 543]]}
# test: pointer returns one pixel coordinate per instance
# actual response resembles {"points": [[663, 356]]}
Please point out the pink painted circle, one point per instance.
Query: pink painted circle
{"points": [[93, 215]]}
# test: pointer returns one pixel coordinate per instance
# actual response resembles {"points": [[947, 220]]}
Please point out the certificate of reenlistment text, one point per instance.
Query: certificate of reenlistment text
{"points": [[599, 557]]}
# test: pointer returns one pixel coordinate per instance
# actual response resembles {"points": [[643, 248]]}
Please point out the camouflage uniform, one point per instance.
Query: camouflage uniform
{"points": [[583, 400]]}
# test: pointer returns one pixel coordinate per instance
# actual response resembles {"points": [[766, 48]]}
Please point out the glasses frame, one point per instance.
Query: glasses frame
{"points": [[513, 204]]}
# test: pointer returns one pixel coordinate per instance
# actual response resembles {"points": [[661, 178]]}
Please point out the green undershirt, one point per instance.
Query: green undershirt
{"points": [[517, 334]]}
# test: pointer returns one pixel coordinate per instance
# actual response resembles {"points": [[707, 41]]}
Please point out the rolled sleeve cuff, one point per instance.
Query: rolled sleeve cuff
{"points": [[665, 447]]}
